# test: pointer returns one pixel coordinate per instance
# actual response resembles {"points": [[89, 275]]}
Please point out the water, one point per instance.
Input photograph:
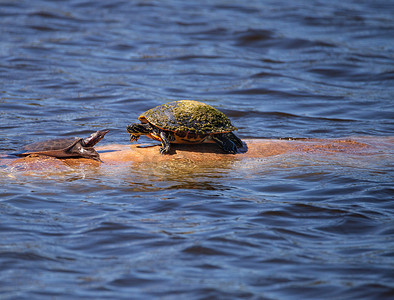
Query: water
{"points": [[283, 227]]}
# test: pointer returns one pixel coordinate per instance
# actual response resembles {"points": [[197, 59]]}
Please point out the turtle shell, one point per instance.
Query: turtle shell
{"points": [[50, 145], [60, 148], [188, 116]]}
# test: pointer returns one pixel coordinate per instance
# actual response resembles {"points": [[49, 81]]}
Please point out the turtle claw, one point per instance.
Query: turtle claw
{"points": [[165, 150], [134, 137]]}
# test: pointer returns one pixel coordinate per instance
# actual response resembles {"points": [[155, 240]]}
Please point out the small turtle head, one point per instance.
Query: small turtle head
{"points": [[94, 138], [136, 130]]}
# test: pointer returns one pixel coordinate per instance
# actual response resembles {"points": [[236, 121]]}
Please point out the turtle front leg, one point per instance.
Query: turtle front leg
{"points": [[224, 142], [165, 143]]}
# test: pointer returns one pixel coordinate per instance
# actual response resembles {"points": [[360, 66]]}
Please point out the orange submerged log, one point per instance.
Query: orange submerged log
{"points": [[206, 154]]}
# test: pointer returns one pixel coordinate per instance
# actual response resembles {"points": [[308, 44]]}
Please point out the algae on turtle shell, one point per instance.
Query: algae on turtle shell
{"points": [[188, 115]]}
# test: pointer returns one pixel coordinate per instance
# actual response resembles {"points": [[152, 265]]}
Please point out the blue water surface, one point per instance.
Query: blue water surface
{"points": [[289, 226]]}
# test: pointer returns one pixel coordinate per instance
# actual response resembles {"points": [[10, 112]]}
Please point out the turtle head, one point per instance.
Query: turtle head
{"points": [[94, 138], [136, 130]]}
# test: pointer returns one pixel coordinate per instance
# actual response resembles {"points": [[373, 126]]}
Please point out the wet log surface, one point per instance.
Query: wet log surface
{"points": [[205, 154]]}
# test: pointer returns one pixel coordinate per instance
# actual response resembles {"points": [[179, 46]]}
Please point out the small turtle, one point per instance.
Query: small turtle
{"points": [[67, 147], [186, 122]]}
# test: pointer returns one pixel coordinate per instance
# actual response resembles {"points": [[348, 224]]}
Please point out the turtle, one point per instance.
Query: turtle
{"points": [[186, 122], [67, 147]]}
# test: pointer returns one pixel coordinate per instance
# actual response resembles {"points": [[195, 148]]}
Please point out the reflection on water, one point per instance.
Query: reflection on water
{"points": [[314, 224]]}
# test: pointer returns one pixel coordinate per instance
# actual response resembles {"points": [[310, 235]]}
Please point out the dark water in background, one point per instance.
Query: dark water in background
{"points": [[291, 228]]}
